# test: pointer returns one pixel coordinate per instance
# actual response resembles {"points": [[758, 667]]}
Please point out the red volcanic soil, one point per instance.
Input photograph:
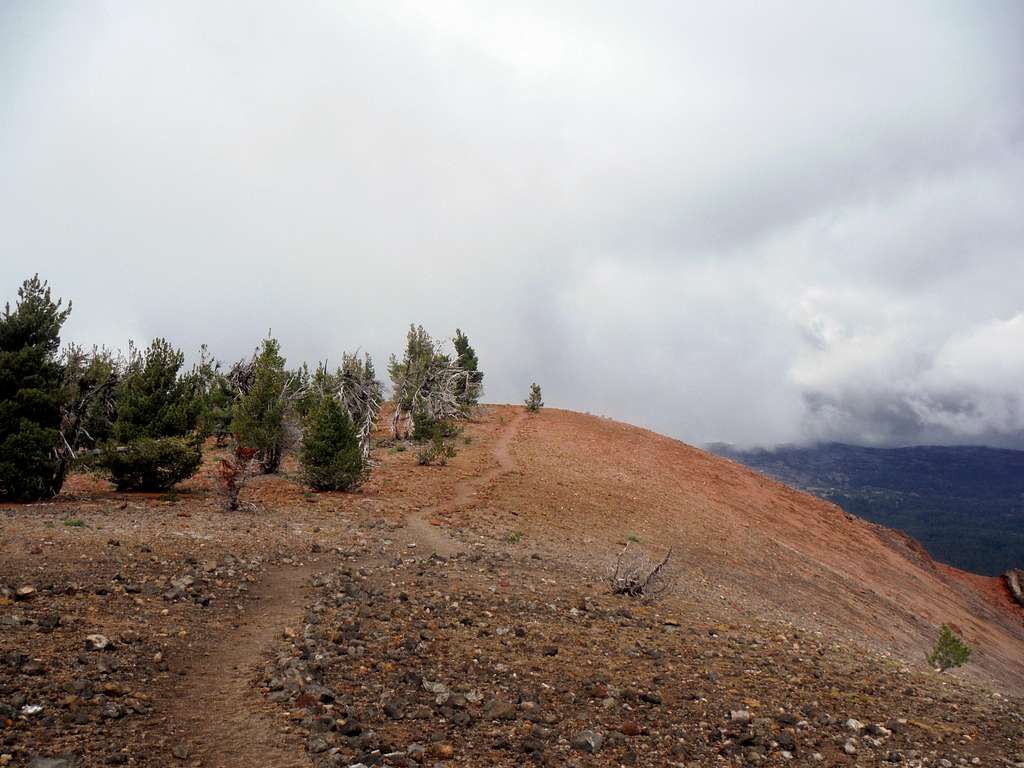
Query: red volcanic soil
{"points": [[460, 615], [585, 485]]}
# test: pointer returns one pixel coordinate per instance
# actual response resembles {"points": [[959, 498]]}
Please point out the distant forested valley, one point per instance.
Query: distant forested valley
{"points": [[965, 504]]}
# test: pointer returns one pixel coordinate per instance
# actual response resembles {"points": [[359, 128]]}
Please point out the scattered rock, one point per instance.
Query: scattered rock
{"points": [[50, 762], [499, 709], [588, 741], [442, 750], [97, 642], [395, 709], [181, 751]]}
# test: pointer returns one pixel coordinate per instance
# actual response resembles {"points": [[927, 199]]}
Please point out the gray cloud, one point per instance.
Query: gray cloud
{"points": [[753, 222]]}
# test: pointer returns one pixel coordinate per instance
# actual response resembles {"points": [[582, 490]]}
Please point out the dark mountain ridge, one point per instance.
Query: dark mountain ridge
{"points": [[965, 504]]}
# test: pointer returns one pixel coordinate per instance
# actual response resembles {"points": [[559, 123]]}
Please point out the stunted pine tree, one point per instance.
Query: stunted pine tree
{"points": [[259, 415], [153, 444], [218, 410], [533, 401], [31, 394], [152, 399], [468, 389], [354, 383], [212, 396], [949, 650], [330, 454]]}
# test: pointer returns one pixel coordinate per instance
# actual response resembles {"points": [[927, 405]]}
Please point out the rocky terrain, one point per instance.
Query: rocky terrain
{"points": [[460, 615]]}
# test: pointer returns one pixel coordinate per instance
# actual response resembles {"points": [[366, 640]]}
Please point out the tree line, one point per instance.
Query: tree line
{"points": [[140, 418]]}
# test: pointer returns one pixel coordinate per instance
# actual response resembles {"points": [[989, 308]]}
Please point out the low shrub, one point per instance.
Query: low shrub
{"points": [[437, 451], [150, 464], [422, 424], [949, 650]]}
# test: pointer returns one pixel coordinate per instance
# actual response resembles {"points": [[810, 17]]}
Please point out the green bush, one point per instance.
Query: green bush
{"points": [[437, 451], [156, 409], [150, 463], [330, 454], [32, 393], [422, 425], [949, 650]]}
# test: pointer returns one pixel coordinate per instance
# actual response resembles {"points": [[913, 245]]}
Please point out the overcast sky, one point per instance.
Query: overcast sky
{"points": [[752, 222]]}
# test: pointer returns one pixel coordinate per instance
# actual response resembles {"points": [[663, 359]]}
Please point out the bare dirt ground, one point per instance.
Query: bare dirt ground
{"points": [[424, 525], [243, 732], [746, 542], [457, 616]]}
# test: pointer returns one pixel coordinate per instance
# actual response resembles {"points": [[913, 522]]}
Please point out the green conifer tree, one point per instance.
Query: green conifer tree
{"points": [[92, 379], [153, 400], [218, 409], [154, 444], [534, 402], [31, 394], [259, 416], [470, 388], [409, 373], [330, 453], [210, 395], [949, 650]]}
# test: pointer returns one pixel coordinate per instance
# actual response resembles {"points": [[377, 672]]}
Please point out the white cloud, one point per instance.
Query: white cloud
{"points": [[793, 218]]}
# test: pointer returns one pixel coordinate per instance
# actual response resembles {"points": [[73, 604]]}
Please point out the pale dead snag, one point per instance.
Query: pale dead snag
{"points": [[1013, 579], [362, 395], [242, 376], [636, 575], [355, 386], [436, 392]]}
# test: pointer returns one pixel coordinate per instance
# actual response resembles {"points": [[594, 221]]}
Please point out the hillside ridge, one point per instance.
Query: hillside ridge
{"points": [[461, 615]]}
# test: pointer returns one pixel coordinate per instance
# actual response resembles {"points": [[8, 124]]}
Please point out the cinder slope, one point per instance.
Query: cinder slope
{"points": [[747, 543]]}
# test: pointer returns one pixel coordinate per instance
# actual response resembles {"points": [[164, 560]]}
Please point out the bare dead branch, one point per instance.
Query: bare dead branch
{"points": [[634, 574], [435, 392]]}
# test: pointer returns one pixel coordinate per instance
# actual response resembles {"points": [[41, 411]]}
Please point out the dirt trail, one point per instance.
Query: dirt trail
{"points": [[433, 537], [218, 716]]}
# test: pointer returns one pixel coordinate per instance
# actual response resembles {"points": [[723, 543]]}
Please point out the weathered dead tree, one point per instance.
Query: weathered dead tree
{"points": [[436, 392], [356, 387], [634, 574], [362, 395], [88, 414], [242, 376], [428, 381], [1014, 578]]}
